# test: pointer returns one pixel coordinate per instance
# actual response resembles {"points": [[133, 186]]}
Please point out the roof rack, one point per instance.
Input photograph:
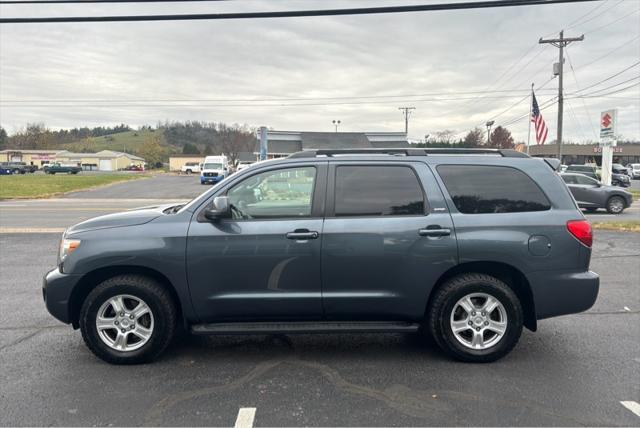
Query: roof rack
{"points": [[507, 153]]}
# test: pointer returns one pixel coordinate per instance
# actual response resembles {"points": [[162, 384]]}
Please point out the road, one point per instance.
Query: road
{"points": [[576, 370]]}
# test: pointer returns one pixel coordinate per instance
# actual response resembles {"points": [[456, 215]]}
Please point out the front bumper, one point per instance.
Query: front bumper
{"points": [[56, 292], [204, 180], [562, 293]]}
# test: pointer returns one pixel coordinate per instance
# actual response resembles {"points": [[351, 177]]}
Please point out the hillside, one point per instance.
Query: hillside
{"points": [[129, 141]]}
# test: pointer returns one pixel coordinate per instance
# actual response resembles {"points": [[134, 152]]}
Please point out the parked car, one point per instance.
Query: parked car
{"points": [[591, 194], [15, 167], [621, 180], [619, 169], [134, 168], [588, 170], [58, 168], [617, 179], [243, 165], [23, 167], [468, 246], [634, 170], [191, 167], [5, 170]]}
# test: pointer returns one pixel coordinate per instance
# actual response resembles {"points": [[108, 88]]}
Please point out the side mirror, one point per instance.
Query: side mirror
{"points": [[219, 210]]}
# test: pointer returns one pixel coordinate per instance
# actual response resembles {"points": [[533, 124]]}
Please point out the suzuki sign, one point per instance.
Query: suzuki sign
{"points": [[608, 121]]}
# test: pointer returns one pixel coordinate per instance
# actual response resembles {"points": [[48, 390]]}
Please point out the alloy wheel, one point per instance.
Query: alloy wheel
{"points": [[478, 321], [124, 323]]}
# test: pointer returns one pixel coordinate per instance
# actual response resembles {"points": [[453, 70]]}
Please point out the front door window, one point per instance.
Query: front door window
{"points": [[285, 193]]}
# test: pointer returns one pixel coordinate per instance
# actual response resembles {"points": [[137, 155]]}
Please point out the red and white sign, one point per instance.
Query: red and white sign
{"points": [[608, 121]]}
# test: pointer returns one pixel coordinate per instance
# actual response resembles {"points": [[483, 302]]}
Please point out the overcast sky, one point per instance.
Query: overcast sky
{"points": [[138, 73]]}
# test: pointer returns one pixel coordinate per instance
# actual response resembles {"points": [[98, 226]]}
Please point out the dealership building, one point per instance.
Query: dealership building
{"points": [[283, 143], [623, 153], [105, 160]]}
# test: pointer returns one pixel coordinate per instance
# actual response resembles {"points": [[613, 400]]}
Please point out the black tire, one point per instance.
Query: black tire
{"points": [[188, 172], [613, 204], [444, 301], [154, 295]]}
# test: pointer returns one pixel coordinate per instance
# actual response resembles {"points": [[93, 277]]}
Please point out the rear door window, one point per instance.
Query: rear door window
{"points": [[370, 190], [482, 189]]}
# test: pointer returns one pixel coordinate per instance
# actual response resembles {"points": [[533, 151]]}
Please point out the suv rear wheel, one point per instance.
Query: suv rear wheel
{"points": [[128, 319], [475, 318]]}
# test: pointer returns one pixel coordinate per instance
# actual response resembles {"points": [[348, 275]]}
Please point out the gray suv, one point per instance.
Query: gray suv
{"points": [[465, 246]]}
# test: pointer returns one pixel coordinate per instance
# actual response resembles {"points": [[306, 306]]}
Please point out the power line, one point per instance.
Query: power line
{"points": [[575, 79], [290, 13], [608, 93], [610, 51], [593, 30], [577, 22], [612, 76], [516, 92], [612, 86], [16, 2], [116, 103]]}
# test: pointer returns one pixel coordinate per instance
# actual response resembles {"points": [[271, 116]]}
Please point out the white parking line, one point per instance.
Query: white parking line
{"points": [[245, 418], [631, 405]]}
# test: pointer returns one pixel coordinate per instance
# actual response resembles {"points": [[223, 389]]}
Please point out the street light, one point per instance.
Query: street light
{"points": [[489, 125], [336, 123]]}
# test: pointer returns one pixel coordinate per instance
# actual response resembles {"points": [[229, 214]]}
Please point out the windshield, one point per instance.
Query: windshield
{"points": [[212, 166]]}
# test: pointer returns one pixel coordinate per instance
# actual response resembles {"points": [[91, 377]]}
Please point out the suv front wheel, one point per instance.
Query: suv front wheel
{"points": [[128, 319], [475, 318]]}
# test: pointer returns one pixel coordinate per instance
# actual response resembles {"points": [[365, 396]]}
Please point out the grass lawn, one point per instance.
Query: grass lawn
{"points": [[44, 186], [624, 226]]}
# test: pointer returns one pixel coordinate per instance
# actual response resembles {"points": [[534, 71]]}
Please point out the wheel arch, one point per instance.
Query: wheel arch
{"points": [[90, 280], [506, 273]]}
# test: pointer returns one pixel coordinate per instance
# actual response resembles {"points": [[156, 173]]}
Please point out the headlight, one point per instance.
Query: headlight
{"points": [[68, 246]]}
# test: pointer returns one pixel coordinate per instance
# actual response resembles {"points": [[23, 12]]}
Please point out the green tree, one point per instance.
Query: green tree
{"points": [[190, 149], [153, 151], [4, 138], [208, 150]]}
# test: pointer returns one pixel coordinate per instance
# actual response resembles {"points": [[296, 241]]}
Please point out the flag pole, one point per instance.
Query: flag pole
{"points": [[530, 108]]}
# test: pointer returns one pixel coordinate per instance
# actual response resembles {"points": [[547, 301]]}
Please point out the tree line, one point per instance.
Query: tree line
{"points": [[500, 138], [191, 137]]}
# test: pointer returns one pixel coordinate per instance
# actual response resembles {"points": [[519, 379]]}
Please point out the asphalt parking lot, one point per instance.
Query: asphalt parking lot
{"points": [[576, 370]]}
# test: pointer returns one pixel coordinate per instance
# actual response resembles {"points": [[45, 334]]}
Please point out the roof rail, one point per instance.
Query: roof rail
{"points": [[508, 153]]}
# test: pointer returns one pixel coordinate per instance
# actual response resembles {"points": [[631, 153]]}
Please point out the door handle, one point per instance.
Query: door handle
{"points": [[434, 230], [302, 234]]}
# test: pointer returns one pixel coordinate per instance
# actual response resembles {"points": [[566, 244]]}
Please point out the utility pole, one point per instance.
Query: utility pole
{"points": [[560, 43], [406, 111]]}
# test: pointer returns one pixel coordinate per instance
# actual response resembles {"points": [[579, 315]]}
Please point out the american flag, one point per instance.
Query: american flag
{"points": [[536, 118]]}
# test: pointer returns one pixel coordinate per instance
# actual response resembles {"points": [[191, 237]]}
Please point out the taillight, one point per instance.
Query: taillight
{"points": [[581, 229]]}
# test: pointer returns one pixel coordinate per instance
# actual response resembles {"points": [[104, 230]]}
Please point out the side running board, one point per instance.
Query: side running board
{"points": [[304, 327]]}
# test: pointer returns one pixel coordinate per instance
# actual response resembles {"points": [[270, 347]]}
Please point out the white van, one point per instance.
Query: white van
{"points": [[214, 169]]}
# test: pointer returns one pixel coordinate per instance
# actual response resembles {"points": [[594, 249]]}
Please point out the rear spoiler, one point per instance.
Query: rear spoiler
{"points": [[553, 163]]}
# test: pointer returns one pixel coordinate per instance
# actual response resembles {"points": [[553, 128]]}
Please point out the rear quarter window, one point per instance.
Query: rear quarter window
{"points": [[482, 189]]}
